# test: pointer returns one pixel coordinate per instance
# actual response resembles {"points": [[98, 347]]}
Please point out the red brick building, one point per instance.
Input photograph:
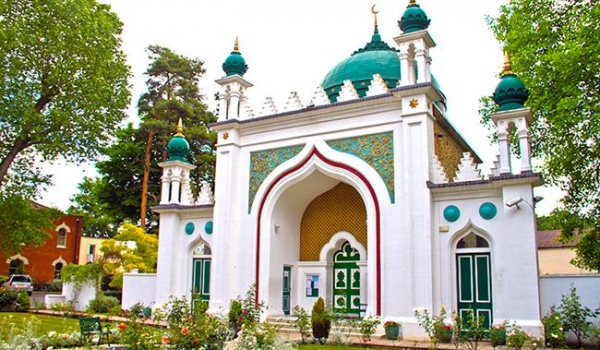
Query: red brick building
{"points": [[45, 262]]}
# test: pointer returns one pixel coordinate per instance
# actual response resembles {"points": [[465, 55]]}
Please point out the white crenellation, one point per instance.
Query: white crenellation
{"points": [[293, 103], [348, 92], [378, 86], [496, 168], [247, 109], [467, 169], [206, 195], [439, 175], [268, 108], [319, 98]]}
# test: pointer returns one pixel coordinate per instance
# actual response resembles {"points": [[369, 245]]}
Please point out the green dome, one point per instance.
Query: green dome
{"points": [[413, 19], [375, 58], [178, 148], [235, 63], [510, 93]]}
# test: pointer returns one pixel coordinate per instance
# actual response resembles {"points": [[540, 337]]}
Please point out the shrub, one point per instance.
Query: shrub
{"points": [[553, 330], [102, 304], [321, 321], [52, 286], [434, 326], [8, 297], [302, 323], [498, 334], [367, 327], [574, 316], [516, 338], [3, 279], [470, 331], [235, 312], [23, 302]]}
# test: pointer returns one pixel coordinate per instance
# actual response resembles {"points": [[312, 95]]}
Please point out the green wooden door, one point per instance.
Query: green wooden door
{"points": [[474, 285], [346, 285], [201, 279], [287, 286]]}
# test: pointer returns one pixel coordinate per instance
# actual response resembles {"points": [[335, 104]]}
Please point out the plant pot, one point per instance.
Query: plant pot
{"points": [[392, 332]]}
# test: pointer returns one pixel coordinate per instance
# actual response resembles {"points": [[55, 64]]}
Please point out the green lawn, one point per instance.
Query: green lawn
{"points": [[16, 322]]}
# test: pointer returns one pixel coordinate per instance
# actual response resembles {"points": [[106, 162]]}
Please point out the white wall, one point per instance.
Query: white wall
{"points": [[138, 288], [553, 287], [80, 297]]}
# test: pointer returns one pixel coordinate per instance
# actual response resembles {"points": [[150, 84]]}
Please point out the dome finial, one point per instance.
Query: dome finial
{"points": [[179, 128], [236, 46], [507, 67], [413, 2], [374, 13]]}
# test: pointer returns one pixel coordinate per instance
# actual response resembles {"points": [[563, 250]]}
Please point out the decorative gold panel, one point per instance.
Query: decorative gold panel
{"points": [[339, 209], [447, 150]]}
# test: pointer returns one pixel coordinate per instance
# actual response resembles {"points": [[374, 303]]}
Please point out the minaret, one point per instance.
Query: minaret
{"points": [[510, 95], [175, 187], [233, 85], [414, 43]]}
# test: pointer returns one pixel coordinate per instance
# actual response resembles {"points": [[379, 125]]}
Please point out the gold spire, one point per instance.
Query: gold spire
{"points": [[374, 13], [507, 68], [413, 2], [179, 128], [236, 46]]}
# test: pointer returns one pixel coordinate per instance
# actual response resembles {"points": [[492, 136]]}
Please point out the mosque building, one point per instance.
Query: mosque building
{"points": [[367, 197]]}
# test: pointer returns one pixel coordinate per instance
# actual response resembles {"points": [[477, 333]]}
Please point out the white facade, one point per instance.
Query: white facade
{"points": [[285, 204]]}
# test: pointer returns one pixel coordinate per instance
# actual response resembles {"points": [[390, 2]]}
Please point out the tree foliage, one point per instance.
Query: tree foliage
{"points": [[22, 223], [131, 249], [63, 84], [554, 49]]}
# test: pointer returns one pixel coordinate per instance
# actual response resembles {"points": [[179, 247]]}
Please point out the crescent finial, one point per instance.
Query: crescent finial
{"points": [[374, 12]]}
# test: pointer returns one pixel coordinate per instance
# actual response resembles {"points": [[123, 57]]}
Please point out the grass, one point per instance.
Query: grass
{"points": [[16, 322]]}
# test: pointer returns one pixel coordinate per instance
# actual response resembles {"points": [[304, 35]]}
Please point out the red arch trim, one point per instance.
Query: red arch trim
{"points": [[313, 153]]}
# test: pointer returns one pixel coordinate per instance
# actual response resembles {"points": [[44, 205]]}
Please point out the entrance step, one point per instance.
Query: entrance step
{"points": [[342, 328]]}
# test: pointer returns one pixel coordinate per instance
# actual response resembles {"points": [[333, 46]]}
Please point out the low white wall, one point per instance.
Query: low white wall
{"points": [[80, 297], [552, 288], [52, 299], [138, 288]]}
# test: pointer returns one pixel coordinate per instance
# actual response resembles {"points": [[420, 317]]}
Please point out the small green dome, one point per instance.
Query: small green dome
{"points": [[235, 63], [413, 19], [510, 93], [376, 57], [178, 148]]}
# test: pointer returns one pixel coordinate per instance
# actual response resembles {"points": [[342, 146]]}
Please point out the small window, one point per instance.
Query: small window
{"points": [[472, 241], [202, 249], [61, 238], [57, 270], [16, 267]]}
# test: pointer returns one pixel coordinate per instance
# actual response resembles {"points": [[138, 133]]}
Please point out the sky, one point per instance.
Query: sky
{"points": [[290, 45]]}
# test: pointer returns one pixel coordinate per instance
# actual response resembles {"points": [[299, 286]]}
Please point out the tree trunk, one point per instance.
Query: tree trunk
{"points": [[144, 204], [17, 147]]}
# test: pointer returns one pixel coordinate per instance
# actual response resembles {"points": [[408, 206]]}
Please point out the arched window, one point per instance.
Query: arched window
{"points": [[15, 267], [472, 241], [61, 239], [57, 270]]}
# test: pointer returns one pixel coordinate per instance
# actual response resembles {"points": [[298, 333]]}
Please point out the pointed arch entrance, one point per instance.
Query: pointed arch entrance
{"points": [[272, 229], [474, 277], [201, 262]]}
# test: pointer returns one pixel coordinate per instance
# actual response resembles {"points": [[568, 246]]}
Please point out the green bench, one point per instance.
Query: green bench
{"points": [[90, 327]]}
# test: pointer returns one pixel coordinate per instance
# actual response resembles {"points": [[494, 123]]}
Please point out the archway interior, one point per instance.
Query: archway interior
{"points": [[305, 217]]}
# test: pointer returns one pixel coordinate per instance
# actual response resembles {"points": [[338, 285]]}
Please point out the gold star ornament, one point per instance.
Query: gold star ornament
{"points": [[413, 103], [225, 135]]}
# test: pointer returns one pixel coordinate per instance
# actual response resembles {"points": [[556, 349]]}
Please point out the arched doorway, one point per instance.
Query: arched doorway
{"points": [[201, 272], [474, 277]]}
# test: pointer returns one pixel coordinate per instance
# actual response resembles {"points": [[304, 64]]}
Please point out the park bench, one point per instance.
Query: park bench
{"points": [[90, 327]]}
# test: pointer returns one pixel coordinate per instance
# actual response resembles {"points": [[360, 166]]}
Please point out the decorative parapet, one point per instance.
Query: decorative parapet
{"points": [[268, 108], [262, 163], [293, 103], [439, 175], [467, 169], [378, 86], [348, 92], [206, 194], [377, 150], [319, 98]]}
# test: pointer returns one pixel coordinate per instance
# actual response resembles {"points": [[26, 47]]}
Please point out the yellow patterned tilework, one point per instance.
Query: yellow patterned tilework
{"points": [[447, 150], [339, 209]]}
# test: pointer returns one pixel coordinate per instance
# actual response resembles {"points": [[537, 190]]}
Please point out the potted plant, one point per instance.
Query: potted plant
{"points": [[444, 333], [321, 321], [392, 330]]}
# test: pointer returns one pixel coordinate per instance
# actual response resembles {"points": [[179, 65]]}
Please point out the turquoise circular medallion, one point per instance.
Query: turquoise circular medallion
{"points": [[488, 210], [189, 228], [451, 213], [208, 228]]}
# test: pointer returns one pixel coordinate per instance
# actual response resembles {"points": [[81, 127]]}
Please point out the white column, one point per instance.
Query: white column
{"points": [[422, 59], [404, 66], [186, 197], [165, 187], [524, 147], [504, 150], [175, 182], [223, 99], [234, 102]]}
